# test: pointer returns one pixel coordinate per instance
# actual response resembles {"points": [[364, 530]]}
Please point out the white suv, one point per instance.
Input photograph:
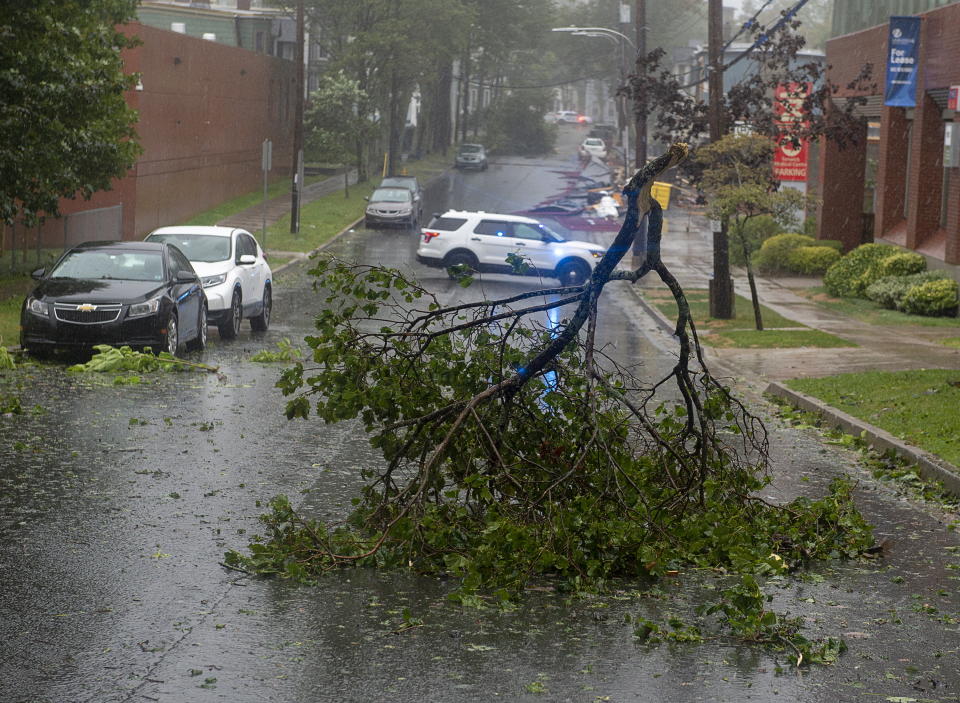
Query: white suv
{"points": [[233, 270], [483, 240]]}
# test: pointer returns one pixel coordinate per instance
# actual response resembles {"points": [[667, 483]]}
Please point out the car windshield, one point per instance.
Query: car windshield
{"points": [[470, 149], [593, 142], [197, 247], [102, 263], [390, 195], [549, 235], [399, 181]]}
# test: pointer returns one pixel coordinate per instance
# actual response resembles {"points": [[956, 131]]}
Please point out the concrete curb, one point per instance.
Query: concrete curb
{"points": [[930, 467]]}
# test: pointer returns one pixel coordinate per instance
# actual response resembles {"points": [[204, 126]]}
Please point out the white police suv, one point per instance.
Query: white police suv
{"points": [[483, 241]]}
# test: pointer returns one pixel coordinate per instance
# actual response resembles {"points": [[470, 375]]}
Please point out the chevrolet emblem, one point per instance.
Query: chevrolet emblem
{"points": [[86, 307]]}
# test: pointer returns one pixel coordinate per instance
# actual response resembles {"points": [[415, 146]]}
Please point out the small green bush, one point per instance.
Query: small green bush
{"points": [[847, 277], [775, 251], [933, 298], [832, 243], [812, 261], [888, 292], [756, 231], [902, 264]]}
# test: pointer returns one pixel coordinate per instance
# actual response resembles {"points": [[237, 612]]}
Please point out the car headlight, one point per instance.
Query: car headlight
{"points": [[37, 307], [148, 308], [405, 211], [210, 281]]}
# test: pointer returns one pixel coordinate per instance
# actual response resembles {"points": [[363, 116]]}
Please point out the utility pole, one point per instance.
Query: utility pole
{"points": [[640, 117], [640, 97], [297, 175], [721, 285]]}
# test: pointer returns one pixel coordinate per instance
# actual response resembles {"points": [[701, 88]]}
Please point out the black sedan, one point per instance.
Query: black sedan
{"points": [[142, 294]]}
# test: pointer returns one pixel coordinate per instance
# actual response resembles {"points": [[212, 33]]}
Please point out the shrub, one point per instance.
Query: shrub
{"points": [[933, 298], [756, 231], [902, 264], [775, 251], [832, 243], [847, 277], [889, 290], [813, 260]]}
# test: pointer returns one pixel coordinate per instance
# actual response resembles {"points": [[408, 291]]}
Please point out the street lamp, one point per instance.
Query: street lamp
{"points": [[619, 39]]}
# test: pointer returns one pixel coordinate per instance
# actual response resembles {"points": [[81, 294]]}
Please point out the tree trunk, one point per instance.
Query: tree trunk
{"points": [[757, 317]]}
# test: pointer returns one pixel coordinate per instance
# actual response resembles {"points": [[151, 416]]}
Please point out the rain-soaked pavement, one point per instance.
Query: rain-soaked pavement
{"points": [[117, 503]]}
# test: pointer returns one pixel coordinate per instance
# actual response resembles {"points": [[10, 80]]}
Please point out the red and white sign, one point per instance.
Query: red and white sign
{"points": [[791, 157], [953, 98]]}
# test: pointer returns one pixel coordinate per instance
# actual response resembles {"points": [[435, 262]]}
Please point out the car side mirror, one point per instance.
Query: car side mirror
{"points": [[38, 274], [367, 198], [186, 277], [247, 260]]}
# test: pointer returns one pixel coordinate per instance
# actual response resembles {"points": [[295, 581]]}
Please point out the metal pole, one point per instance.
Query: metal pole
{"points": [[263, 228], [640, 97], [297, 128], [721, 286]]}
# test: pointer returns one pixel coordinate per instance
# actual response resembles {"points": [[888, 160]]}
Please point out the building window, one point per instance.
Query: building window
{"points": [[259, 42]]}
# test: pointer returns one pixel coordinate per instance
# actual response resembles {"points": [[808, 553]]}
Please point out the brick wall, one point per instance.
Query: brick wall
{"points": [[911, 141], [205, 109]]}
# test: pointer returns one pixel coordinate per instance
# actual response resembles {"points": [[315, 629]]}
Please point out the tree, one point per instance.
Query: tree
{"points": [[65, 128], [738, 176], [334, 122], [774, 50], [514, 449]]}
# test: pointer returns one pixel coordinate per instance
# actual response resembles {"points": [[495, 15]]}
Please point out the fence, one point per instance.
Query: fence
{"points": [[23, 248]]}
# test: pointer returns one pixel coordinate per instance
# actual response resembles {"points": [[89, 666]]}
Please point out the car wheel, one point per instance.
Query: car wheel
{"points": [[261, 322], [573, 273], [199, 343], [484, 167], [171, 341], [230, 327], [460, 257]]}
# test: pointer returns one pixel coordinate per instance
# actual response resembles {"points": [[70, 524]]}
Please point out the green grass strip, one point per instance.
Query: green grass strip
{"points": [[919, 407]]}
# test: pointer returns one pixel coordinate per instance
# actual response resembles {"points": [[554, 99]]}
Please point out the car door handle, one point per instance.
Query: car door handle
{"points": [[475, 239], [521, 244]]}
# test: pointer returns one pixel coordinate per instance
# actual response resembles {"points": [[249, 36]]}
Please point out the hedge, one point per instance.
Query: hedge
{"points": [[774, 252], [850, 276], [933, 298], [812, 261], [888, 292]]}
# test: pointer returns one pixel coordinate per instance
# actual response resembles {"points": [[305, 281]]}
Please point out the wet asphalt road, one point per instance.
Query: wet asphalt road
{"points": [[117, 503]]}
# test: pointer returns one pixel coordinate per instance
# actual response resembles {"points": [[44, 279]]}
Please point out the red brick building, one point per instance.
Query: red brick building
{"points": [[915, 201], [205, 109]]}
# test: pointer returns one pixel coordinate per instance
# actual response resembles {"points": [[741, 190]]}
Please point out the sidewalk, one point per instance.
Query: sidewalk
{"points": [[687, 250]]}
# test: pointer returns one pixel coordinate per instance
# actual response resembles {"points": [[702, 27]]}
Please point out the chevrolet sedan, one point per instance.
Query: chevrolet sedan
{"points": [[140, 294]]}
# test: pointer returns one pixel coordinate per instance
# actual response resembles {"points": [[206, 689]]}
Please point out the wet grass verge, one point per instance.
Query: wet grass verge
{"points": [[919, 406], [12, 291], [869, 312], [779, 332]]}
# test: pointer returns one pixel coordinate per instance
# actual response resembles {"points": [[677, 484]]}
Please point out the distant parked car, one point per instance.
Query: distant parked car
{"points": [[593, 146], [390, 206], [235, 274], [140, 294], [483, 240], [412, 184], [471, 156], [567, 117]]}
